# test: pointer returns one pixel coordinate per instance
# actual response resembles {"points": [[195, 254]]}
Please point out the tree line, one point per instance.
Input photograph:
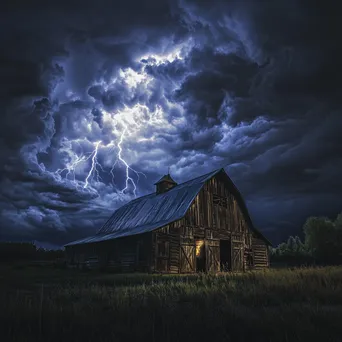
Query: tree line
{"points": [[28, 251], [322, 244]]}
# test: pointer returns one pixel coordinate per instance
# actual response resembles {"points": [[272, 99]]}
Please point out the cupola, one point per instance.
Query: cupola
{"points": [[164, 184]]}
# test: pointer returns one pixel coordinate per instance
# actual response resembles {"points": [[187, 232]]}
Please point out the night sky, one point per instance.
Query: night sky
{"points": [[92, 91]]}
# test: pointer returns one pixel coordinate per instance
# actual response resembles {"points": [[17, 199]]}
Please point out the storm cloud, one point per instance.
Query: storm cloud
{"points": [[92, 90]]}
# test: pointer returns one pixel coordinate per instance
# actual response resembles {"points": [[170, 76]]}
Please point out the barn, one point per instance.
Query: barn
{"points": [[201, 225]]}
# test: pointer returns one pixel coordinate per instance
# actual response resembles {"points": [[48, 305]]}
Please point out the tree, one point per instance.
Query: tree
{"points": [[293, 252], [338, 221], [322, 238], [291, 245], [300, 247], [323, 243]]}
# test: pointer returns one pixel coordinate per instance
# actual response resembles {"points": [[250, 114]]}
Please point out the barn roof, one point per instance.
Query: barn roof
{"points": [[153, 211]]}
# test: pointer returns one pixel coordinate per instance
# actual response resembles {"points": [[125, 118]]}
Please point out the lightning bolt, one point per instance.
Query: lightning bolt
{"points": [[76, 161], [125, 123], [127, 167], [70, 168], [117, 119], [94, 163], [134, 122], [112, 171]]}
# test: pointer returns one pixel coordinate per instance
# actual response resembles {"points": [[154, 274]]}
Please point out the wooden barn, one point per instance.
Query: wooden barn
{"points": [[201, 225]]}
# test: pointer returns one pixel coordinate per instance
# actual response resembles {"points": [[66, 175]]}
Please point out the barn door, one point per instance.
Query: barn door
{"points": [[237, 256], [187, 258], [212, 255]]}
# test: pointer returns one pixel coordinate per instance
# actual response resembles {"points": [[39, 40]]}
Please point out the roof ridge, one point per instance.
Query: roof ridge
{"points": [[179, 184], [206, 174], [175, 187]]}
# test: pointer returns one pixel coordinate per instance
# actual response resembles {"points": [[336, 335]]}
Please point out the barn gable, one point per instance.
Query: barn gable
{"points": [[241, 205]]}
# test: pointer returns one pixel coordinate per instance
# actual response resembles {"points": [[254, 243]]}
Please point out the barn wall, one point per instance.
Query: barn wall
{"points": [[213, 216], [166, 248], [216, 215], [128, 254], [260, 253]]}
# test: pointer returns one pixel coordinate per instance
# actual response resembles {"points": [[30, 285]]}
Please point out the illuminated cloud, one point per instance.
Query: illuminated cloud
{"points": [[123, 128]]}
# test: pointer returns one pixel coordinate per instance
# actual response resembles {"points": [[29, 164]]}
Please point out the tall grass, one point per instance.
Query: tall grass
{"points": [[274, 305]]}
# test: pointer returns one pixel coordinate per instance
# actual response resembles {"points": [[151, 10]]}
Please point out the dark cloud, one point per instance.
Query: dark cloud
{"points": [[193, 85]]}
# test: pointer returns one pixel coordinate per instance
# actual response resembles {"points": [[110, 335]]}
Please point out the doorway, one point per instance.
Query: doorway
{"points": [[225, 255], [200, 256]]}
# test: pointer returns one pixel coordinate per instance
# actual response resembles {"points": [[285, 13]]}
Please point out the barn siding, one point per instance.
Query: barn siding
{"points": [[128, 254], [214, 215], [260, 253]]}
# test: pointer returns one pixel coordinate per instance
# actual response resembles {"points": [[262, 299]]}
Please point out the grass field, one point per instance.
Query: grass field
{"points": [[44, 304]]}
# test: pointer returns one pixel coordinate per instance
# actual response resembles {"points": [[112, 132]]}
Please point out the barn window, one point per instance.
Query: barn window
{"points": [[199, 248], [220, 204], [221, 201], [163, 249]]}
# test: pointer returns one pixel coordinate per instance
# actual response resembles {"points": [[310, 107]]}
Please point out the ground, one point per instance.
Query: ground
{"points": [[47, 304]]}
